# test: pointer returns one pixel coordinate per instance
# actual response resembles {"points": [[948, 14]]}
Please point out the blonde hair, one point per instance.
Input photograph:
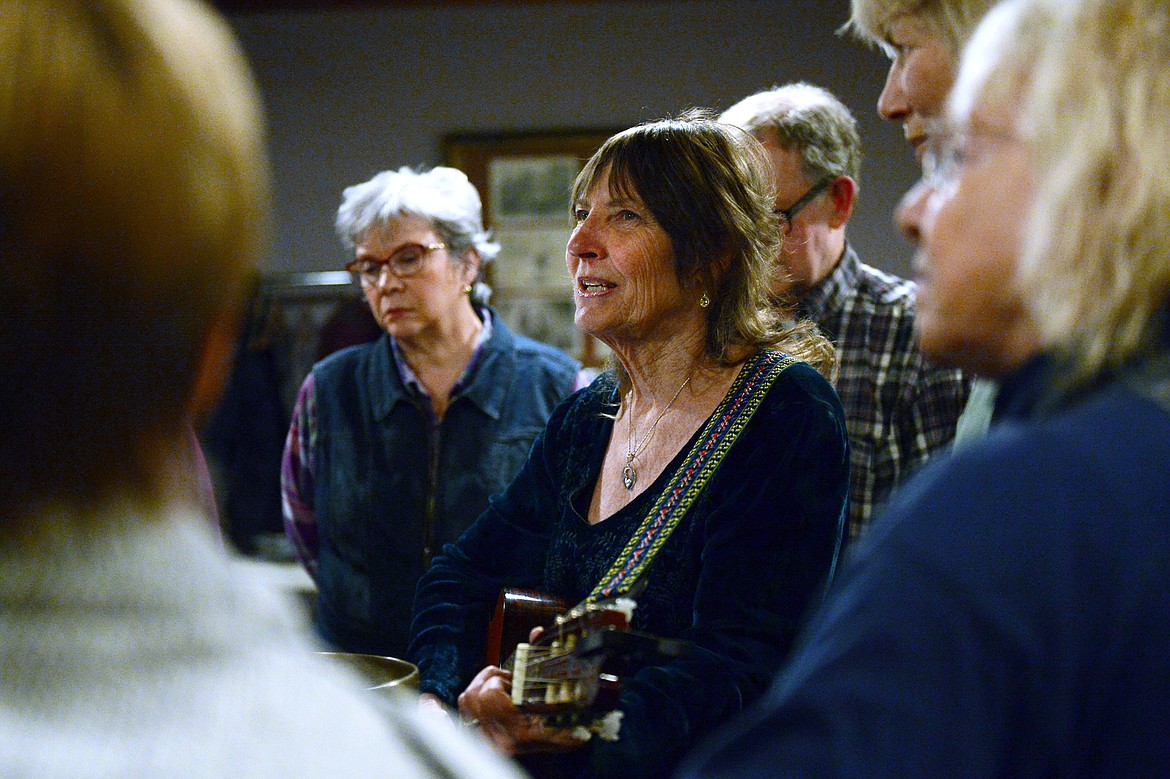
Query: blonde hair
{"points": [[952, 20], [1096, 267], [134, 208]]}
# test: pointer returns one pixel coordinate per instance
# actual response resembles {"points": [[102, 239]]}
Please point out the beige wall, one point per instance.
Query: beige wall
{"points": [[353, 92]]}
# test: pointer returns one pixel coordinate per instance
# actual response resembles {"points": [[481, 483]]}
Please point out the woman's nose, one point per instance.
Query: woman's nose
{"points": [[387, 279], [583, 242], [892, 103]]}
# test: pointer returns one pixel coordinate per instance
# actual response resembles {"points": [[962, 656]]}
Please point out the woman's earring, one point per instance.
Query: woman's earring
{"points": [[467, 290], [704, 301]]}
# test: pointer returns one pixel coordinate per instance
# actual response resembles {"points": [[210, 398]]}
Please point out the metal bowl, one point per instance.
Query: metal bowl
{"points": [[379, 673]]}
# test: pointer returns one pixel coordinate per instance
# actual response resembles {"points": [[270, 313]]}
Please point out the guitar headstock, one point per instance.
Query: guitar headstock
{"points": [[572, 675]]}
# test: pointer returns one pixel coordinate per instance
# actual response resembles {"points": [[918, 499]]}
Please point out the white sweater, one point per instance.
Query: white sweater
{"points": [[140, 651]]}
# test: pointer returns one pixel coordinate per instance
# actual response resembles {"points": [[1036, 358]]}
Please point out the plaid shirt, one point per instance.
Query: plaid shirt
{"points": [[899, 409]]}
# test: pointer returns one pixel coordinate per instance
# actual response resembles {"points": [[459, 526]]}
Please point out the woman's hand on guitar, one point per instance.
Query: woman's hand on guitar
{"points": [[487, 702]]}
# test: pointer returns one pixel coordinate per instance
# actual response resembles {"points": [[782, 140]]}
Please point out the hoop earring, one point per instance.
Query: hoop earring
{"points": [[704, 301]]}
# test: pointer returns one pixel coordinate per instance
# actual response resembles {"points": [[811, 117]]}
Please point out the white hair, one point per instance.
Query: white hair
{"points": [[443, 196]]}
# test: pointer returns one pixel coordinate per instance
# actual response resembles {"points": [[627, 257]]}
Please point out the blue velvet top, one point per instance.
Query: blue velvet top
{"points": [[735, 578]]}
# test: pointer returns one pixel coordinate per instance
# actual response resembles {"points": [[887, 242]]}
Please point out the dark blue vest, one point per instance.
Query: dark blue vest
{"points": [[385, 502]]}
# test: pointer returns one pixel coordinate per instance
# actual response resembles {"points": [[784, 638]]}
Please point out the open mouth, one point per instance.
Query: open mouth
{"points": [[593, 286]]}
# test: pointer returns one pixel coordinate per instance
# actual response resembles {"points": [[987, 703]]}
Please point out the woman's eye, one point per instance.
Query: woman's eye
{"points": [[899, 49], [580, 214], [627, 215]]}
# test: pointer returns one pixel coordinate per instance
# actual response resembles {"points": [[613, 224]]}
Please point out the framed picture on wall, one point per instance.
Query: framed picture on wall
{"points": [[525, 181]]}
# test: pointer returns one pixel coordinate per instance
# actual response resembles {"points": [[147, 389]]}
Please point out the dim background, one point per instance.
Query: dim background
{"points": [[355, 88]]}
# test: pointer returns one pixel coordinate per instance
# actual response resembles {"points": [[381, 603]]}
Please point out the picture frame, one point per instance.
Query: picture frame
{"points": [[524, 181]]}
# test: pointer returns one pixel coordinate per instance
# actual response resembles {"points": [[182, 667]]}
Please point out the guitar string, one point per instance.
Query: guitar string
{"points": [[539, 654]]}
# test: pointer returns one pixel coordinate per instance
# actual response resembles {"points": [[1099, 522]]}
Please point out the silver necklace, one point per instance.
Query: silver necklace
{"points": [[629, 472]]}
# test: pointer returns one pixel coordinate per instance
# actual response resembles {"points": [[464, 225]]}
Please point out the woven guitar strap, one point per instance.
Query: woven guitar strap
{"points": [[691, 477]]}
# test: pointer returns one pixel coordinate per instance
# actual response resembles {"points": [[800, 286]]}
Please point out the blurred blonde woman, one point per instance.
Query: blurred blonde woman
{"points": [[923, 39], [1008, 616]]}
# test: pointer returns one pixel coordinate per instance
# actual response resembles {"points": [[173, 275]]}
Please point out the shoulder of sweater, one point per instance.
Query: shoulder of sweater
{"points": [[802, 382]]}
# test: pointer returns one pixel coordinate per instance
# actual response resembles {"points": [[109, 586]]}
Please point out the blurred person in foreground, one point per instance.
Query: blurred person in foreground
{"points": [[1008, 615], [923, 39], [133, 195], [396, 445], [671, 256], [899, 408]]}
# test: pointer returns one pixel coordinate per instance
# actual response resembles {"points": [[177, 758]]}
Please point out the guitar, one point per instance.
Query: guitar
{"points": [[572, 674]]}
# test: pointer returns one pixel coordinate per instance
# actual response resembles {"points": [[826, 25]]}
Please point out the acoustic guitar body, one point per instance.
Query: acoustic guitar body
{"points": [[517, 612]]}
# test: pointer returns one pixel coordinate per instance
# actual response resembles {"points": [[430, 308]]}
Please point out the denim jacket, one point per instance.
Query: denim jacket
{"points": [[385, 500]]}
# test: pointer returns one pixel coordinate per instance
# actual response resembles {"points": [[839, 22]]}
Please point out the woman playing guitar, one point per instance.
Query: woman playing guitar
{"points": [[713, 449]]}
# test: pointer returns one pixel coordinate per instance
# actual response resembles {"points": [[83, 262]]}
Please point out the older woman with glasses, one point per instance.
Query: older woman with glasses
{"points": [[395, 446]]}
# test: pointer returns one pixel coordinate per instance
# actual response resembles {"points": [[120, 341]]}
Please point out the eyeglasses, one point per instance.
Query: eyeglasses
{"points": [[941, 157], [949, 148], [788, 214], [405, 262]]}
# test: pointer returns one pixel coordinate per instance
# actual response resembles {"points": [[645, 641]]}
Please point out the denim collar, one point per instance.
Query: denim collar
{"points": [[485, 384]]}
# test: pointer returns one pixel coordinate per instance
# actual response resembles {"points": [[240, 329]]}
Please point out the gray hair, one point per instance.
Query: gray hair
{"points": [[806, 117], [442, 196]]}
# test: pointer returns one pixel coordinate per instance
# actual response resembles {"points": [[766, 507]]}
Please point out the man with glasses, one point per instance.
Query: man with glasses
{"points": [[899, 408]]}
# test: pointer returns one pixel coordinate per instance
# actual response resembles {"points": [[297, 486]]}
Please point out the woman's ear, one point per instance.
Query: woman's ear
{"points": [[471, 263], [213, 366], [715, 273]]}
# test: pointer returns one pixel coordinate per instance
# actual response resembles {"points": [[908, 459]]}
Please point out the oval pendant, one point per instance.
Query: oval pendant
{"points": [[629, 476]]}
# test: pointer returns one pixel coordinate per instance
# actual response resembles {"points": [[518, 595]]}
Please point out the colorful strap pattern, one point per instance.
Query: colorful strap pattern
{"points": [[718, 436]]}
